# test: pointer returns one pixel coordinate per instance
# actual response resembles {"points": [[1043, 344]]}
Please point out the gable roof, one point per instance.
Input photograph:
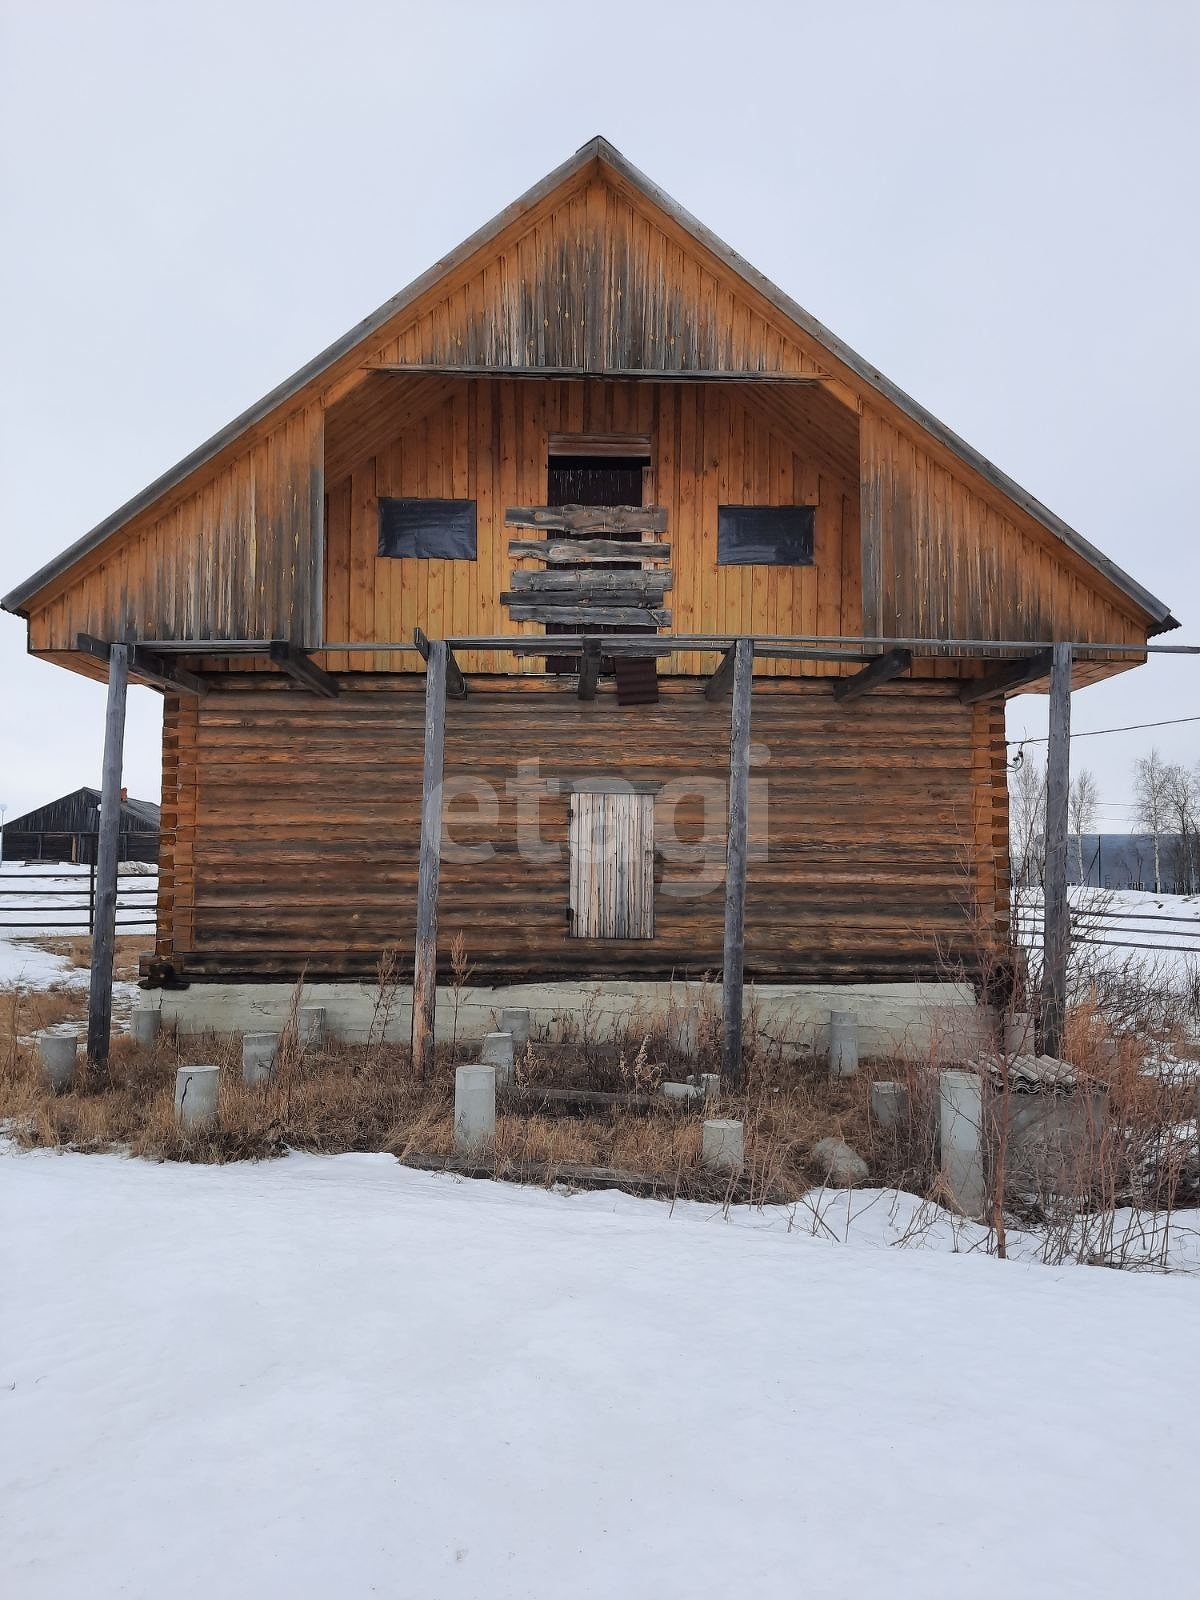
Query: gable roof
{"points": [[597, 153]]}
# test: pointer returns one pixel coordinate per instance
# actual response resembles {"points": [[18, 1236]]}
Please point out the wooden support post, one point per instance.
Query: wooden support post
{"points": [[1056, 932], [735, 864], [589, 670], [424, 1009], [107, 850], [882, 670], [718, 685], [456, 683]]}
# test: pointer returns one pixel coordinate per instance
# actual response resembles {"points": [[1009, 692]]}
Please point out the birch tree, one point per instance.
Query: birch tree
{"points": [[1151, 797], [1027, 820], [1183, 807], [1082, 799]]}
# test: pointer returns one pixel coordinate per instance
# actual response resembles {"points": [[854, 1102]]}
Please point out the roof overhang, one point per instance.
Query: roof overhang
{"points": [[597, 152]]}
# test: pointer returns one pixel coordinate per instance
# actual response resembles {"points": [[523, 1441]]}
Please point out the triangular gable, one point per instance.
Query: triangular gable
{"points": [[594, 269]]}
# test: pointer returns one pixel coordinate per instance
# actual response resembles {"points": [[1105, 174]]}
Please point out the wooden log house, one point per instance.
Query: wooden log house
{"points": [[607, 485]]}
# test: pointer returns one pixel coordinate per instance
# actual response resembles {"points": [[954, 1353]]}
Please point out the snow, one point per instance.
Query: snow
{"points": [[1131, 926], [337, 1376], [38, 904]]}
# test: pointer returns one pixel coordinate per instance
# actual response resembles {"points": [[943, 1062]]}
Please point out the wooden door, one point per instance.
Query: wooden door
{"points": [[612, 866]]}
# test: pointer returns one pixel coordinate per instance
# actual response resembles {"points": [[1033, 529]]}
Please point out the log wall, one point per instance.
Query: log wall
{"points": [[291, 829]]}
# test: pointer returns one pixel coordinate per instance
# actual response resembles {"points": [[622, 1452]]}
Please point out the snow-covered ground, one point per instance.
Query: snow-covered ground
{"points": [[42, 909], [1120, 926], [339, 1377]]}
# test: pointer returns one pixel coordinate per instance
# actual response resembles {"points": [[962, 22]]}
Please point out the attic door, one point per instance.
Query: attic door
{"points": [[612, 866]]}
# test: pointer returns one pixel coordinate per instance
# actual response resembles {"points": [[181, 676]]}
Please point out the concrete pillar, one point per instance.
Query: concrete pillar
{"points": [[474, 1108], [710, 1084], [722, 1148], [1018, 1034], [515, 1020], [497, 1051], [889, 1104], [196, 1097], [144, 1023], [963, 1146], [310, 1025], [843, 1044], [59, 1053], [258, 1056]]}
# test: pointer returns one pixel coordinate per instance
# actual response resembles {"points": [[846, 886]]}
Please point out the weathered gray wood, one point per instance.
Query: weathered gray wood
{"points": [[1011, 675], [561, 552], [1057, 925], [108, 848], [572, 645], [589, 670], [456, 683], [428, 872], [735, 863], [297, 665], [650, 581], [722, 679], [146, 664], [882, 670], [583, 597], [589, 519], [592, 616]]}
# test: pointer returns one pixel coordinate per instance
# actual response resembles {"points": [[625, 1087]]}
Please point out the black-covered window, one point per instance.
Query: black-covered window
{"points": [[435, 530], [765, 536]]}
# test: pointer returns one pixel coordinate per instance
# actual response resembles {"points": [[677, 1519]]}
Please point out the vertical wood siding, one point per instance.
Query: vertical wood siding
{"points": [[297, 823], [940, 561], [237, 558], [488, 440], [611, 849]]}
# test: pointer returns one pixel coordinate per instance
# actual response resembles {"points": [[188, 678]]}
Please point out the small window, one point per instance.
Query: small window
{"points": [[765, 536], [434, 530], [612, 866]]}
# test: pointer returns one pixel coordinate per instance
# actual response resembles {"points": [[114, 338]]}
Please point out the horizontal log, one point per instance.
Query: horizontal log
{"points": [[650, 581], [589, 519], [587, 616], [560, 552]]}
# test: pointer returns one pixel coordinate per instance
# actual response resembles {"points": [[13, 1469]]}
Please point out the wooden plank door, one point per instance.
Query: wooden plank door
{"points": [[611, 839]]}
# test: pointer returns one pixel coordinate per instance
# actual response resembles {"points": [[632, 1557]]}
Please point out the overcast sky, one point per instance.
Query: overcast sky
{"points": [[994, 203]]}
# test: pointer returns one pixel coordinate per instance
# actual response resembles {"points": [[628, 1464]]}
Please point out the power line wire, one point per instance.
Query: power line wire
{"points": [[1092, 733]]}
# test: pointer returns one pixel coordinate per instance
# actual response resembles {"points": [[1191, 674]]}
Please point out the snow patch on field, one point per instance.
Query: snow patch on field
{"points": [[338, 1376]]}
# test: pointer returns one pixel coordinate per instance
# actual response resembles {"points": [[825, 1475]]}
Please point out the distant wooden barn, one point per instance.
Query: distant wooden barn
{"points": [[601, 475], [66, 830]]}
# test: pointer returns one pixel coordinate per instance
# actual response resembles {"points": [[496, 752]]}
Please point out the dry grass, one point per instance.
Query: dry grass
{"points": [[77, 948], [364, 1098]]}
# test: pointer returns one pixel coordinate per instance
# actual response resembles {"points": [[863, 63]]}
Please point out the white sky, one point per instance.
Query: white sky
{"points": [[994, 203]]}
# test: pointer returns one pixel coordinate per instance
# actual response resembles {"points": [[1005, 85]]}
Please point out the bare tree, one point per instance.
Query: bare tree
{"points": [[1082, 799], [1150, 794], [1027, 823], [1183, 807]]}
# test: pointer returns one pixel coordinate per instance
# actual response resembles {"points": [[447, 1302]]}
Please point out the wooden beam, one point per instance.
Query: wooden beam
{"points": [[589, 670], [1010, 675], [735, 865], [146, 664], [1056, 933], [456, 683], [587, 552], [802, 380], [722, 679], [589, 519], [578, 596], [104, 928], [424, 1011], [582, 617], [650, 581], [881, 670], [298, 667]]}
